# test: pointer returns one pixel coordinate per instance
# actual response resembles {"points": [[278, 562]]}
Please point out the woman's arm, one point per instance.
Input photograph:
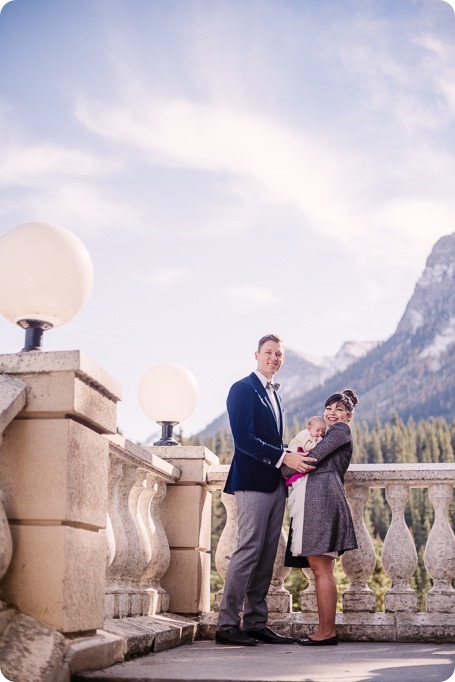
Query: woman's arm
{"points": [[287, 472], [336, 436]]}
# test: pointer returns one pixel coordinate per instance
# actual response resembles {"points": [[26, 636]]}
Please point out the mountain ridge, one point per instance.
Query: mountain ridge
{"points": [[412, 373]]}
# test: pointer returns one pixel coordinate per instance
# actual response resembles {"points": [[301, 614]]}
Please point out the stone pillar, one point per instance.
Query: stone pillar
{"points": [[359, 563], [399, 556], [54, 472], [186, 514], [439, 553]]}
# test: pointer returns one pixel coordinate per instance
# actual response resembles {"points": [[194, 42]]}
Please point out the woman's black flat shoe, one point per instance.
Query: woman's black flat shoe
{"points": [[306, 641]]}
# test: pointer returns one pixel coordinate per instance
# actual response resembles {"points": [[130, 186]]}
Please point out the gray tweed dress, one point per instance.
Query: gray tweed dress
{"points": [[327, 524]]}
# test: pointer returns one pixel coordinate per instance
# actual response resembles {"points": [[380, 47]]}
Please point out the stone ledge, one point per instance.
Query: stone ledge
{"points": [[50, 657], [91, 653], [357, 627], [31, 651], [123, 638], [425, 627]]}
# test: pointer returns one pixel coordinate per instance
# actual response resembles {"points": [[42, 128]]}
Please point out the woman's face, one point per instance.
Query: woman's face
{"points": [[336, 412]]}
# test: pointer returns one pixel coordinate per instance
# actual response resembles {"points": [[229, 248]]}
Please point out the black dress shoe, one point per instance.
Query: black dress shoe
{"points": [[268, 635], [234, 635], [307, 641]]}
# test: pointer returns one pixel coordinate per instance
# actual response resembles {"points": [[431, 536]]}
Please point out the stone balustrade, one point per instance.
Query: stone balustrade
{"points": [[138, 548], [83, 540], [103, 542], [359, 620], [13, 397]]}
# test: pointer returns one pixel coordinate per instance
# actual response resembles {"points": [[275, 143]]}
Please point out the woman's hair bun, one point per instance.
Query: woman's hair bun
{"points": [[351, 394]]}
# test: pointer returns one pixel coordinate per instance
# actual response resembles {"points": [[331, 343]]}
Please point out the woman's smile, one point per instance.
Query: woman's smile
{"points": [[336, 412]]}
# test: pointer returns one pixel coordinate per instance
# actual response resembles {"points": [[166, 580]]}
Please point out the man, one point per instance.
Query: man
{"points": [[257, 419]]}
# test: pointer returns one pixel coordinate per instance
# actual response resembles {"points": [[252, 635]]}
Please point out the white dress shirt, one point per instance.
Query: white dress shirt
{"points": [[275, 405]]}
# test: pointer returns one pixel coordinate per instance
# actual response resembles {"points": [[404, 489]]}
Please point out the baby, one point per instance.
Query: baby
{"points": [[305, 440]]}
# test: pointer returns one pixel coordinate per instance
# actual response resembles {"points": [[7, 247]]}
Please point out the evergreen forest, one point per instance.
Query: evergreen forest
{"points": [[429, 440]]}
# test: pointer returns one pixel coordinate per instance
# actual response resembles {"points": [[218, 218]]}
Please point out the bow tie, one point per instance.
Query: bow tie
{"points": [[273, 386]]}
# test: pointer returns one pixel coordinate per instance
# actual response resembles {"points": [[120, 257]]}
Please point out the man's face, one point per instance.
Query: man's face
{"points": [[270, 358]]}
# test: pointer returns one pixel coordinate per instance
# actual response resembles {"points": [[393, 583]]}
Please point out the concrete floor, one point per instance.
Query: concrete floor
{"points": [[347, 662]]}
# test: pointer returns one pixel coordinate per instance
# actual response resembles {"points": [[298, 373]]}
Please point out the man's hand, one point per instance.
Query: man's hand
{"points": [[299, 462]]}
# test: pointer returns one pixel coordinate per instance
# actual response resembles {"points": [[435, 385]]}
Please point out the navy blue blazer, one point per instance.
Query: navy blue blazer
{"points": [[258, 440]]}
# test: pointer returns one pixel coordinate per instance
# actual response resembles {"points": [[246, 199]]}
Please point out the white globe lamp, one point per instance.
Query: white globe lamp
{"points": [[46, 276], [168, 394]]}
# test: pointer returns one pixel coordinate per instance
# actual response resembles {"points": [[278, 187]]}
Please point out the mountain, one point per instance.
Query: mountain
{"points": [[300, 373], [413, 372]]}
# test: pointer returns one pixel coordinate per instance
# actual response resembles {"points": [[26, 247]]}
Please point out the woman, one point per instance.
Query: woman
{"points": [[327, 529]]}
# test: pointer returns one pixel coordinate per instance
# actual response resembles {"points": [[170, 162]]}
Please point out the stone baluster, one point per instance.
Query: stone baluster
{"points": [[308, 600], [120, 588], [12, 399], [133, 504], [399, 556], [157, 547], [6, 543], [116, 601], [110, 541], [227, 543], [359, 564], [278, 599], [439, 553], [137, 594]]}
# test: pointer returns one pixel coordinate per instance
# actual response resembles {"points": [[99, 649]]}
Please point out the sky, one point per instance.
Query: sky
{"points": [[234, 167]]}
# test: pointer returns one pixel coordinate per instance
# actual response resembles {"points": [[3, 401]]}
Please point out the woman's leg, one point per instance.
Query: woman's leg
{"points": [[326, 595]]}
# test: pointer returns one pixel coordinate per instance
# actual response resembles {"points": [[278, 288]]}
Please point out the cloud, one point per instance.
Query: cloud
{"points": [[278, 164], [60, 184], [356, 196], [247, 298], [79, 206], [35, 164], [164, 278]]}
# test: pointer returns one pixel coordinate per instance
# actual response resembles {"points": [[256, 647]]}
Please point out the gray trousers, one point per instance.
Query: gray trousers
{"points": [[260, 518]]}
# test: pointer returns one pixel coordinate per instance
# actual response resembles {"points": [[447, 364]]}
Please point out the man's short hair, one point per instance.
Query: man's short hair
{"points": [[269, 337]]}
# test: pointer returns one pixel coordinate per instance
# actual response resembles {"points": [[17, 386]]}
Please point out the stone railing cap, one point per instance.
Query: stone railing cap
{"points": [[374, 474], [62, 361], [185, 452], [13, 396], [143, 458]]}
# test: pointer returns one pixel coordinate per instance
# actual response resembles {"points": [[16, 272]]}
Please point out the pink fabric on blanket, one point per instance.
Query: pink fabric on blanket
{"points": [[295, 477]]}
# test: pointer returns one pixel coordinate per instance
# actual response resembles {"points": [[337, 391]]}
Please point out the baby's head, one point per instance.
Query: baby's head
{"points": [[317, 426]]}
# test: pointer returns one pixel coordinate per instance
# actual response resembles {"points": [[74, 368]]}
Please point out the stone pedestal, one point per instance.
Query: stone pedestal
{"points": [[186, 516], [54, 466]]}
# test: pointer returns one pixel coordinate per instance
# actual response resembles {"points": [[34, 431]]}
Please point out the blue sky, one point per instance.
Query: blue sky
{"points": [[234, 167]]}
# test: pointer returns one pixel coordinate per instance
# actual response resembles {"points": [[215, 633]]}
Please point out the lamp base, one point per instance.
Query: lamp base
{"points": [[34, 330], [167, 437]]}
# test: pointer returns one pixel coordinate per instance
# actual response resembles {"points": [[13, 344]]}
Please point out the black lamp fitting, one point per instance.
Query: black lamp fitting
{"points": [[166, 434]]}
